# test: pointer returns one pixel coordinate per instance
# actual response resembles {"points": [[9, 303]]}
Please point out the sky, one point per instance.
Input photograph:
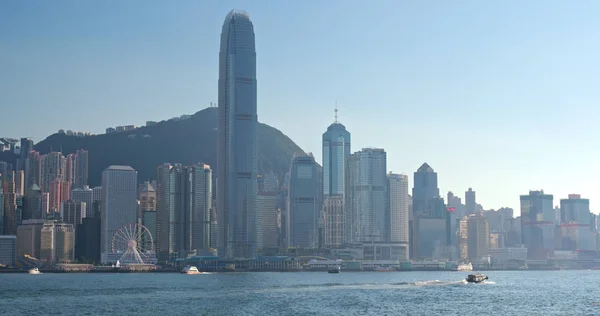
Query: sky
{"points": [[500, 96]]}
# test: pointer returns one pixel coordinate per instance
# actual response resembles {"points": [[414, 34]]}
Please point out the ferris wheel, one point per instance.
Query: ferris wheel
{"points": [[133, 244]]}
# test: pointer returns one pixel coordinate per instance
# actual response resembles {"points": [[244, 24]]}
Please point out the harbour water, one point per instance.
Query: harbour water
{"points": [[303, 293]]}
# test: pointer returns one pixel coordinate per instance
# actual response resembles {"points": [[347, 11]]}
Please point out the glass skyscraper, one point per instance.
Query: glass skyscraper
{"points": [[336, 151], [236, 153]]}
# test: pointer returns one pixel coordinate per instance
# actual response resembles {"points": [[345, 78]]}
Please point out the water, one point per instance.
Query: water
{"points": [[310, 293]]}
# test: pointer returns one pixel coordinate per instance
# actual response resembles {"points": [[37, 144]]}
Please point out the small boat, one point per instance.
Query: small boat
{"points": [[34, 271], [190, 270], [476, 278], [337, 269], [384, 269]]}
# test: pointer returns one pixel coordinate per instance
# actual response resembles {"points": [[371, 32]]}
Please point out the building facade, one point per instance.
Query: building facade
{"points": [[398, 209], [119, 204], [304, 206], [237, 158], [57, 243], [537, 224]]}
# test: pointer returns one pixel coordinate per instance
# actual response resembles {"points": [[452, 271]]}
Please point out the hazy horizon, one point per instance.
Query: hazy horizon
{"points": [[499, 96]]}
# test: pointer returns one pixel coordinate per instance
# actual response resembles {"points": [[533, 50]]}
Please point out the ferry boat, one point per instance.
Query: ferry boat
{"points": [[464, 267], [34, 271], [337, 269], [190, 270], [476, 278]]}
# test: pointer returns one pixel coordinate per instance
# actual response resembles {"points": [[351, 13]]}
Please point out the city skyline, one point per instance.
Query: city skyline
{"points": [[484, 114]]}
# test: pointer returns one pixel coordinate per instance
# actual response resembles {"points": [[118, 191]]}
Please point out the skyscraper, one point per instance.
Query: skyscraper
{"points": [[366, 207], [81, 168], [236, 153], [57, 242], [304, 206], [537, 224], [336, 151], [470, 201], [431, 223], [201, 231], [33, 169], [576, 233], [474, 237], [398, 209], [26, 147], [53, 167], [119, 205]]}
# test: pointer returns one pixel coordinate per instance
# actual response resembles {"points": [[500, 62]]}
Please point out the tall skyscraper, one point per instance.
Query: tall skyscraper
{"points": [[237, 157], [474, 238], [336, 151], [537, 224], [431, 224], [32, 209], [304, 206], [81, 169], [8, 249], [398, 209], [26, 147], [333, 221], [183, 205], [470, 201], [366, 207], [119, 205], [33, 169], [73, 212], [576, 231], [266, 219]]}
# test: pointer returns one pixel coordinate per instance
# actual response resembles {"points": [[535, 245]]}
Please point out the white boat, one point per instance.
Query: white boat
{"points": [[34, 271], [190, 270], [465, 267]]}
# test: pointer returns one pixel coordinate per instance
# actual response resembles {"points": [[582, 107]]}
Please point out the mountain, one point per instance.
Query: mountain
{"points": [[184, 141]]}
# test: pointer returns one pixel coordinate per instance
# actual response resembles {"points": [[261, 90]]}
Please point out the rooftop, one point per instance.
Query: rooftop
{"points": [[121, 168], [425, 168]]}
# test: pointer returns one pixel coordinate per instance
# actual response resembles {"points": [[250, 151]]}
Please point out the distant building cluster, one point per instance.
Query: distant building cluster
{"points": [[352, 210]]}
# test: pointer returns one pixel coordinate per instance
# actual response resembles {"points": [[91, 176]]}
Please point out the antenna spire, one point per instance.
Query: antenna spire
{"points": [[336, 111]]}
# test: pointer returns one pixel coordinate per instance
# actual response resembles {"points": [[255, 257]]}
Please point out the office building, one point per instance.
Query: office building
{"points": [[57, 243], [398, 209], [474, 238], [304, 205], [470, 202], [81, 169], [33, 169], [333, 221], [53, 168], [537, 224], [266, 220], [366, 206], [336, 151], [29, 237], [8, 249], [26, 147], [237, 157], [73, 212], [119, 204], [576, 231], [431, 224]]}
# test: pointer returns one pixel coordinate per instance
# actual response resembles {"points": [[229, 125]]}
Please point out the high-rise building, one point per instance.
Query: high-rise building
{"points": [[26, 147], [60, 191], [8, 249], [33, 169], [57, 242], [576, 232], [183, 205], [431, 223], [147, 211], [336, 151], [266, 220], [333, 221], [87, 238], [73, 212], [366, 207], [470, 201], [19, 178], [537, 224], [119, 205], [11, 216], [237, 158], [87, 195], [32, 209], [81, 169], [2, 206], [455, 202], [202, 233], [53, 167], [70, 169], [304, 206], [474, 238], [29, 236], [398, 209]]}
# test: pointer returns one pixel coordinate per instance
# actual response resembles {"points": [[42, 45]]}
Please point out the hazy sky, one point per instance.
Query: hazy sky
{"points": [[501, 96]]}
